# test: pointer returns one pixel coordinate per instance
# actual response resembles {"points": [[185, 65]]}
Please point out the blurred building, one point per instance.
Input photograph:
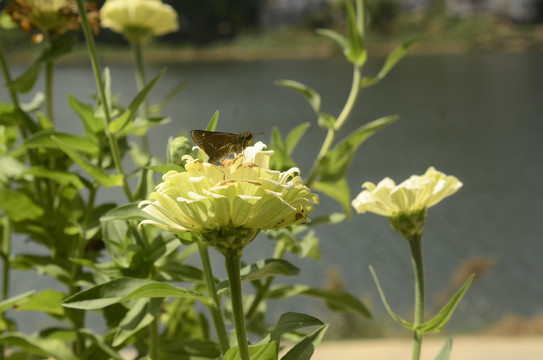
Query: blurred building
{"points": [[276, 12]]}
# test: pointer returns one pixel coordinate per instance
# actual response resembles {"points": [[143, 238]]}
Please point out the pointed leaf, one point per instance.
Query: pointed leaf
{"points": [[45, 139], [138, 317], [256, 352], [439, 321], [213, 122], [25, 82], [337, 190], [340, 39], [391, 312], [59, 46], [393, 58], [38, 345], [339, 301], [445, 352], [47, 301], [157, 108], [268, 267], [335, 163], [60, 177], [294, 136], [305, 348], [86, 113], [125, 212], [8, 303], [129, 114], [18, 206], [291, 321], [102, 344], [119, 290], [95, 172], [355, 33], [311, 95]]}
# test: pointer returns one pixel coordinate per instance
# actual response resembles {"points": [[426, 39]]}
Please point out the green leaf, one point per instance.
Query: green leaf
{"points": [[340, 39], [294, 136], [305, 348], [47, 301], [391, 312], [101, 343], [439, 321], [125, 212], [339, 301], [91, 122], [18, 206], [330, 219], [46, 139], [355, 32], [43, 265], [157, 108], [8, 303], [268, 267], [213, 122], [10, 168], [335, 163], [95, 172], [311, 95], [337, 190], [59, 46], [38, 345], [25, 82], [60, 177], [122, 289], [189, 348], [128, 116], [393, 58], [163, 169], [445, 352], [291, 321], [138, 317], [256, 352]]}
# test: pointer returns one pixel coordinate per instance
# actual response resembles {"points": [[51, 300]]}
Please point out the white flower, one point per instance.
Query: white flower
{"points": [[139, 19], [414, 194], [240, 195]]}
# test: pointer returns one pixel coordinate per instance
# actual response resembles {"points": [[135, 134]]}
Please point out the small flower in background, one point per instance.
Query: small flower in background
{"points": [[139, 20], [51, 17], [230, 204], [406, 204]]}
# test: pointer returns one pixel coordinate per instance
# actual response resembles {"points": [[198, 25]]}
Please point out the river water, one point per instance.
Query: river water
{"points": [[475, 116]]}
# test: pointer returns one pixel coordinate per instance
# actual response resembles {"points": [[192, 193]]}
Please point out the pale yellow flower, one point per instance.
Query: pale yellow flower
{"points": [[240, 195], [414, 194], [138, 20]]}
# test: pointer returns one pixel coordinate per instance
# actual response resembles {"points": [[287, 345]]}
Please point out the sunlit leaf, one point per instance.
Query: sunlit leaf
{"points": [[305, 348], [60, 177], [292, 321], [47, 301], [338, 38], [256, 352], [163, 169], [439, 321], [122, 289], [339, 301], [295, 135], [337, 190], [125, 212], [38, 345], [45, 139], [391, 312], [213, 122], [8, 303], [18, 206]]}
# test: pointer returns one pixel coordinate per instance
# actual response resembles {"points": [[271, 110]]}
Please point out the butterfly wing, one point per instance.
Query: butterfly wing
{"points": [[215, 144]]}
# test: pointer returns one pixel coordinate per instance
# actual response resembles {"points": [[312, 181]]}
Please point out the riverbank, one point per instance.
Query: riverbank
{"points": [[464, 348]]}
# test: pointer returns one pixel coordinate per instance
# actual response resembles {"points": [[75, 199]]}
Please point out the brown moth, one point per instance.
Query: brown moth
{"points": [[218, 145]]}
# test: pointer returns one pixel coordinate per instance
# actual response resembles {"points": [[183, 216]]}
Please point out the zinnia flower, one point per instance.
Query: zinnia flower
{"points": [[233, 201], [52, 17], [406, 204], [138, 20]]}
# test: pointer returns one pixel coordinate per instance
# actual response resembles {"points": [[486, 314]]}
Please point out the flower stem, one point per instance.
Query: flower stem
{"points": [[233, 267], [342, 117], [140, 81], [415, 245], [216, 312], [5, 253], [102, 94]]}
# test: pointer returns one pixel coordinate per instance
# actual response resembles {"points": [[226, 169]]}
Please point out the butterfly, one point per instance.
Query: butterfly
{"points": [[221, 144]]}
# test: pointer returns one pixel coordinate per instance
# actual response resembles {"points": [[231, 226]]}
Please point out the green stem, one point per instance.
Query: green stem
{"points": [[102, 94], [6, 251], [77, 316], [216, 312], [233, 267], [140, 81], [154, 336], [415, 245], [49, 71], [342, 117]]}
